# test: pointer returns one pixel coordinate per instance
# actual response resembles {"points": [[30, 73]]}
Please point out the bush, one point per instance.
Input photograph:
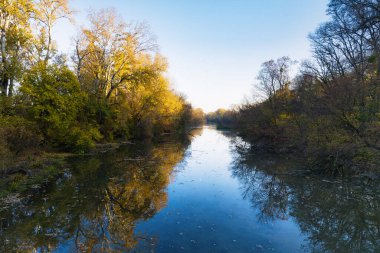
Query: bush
{"points": [[18, 134], [82, 140]]}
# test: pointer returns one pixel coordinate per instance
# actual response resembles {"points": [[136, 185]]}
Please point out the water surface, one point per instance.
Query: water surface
{"points": [[207, 194]]}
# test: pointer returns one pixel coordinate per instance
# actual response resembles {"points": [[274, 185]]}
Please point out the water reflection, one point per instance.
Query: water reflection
{"points": [[335, 216], [222, 199], [94, 207]]}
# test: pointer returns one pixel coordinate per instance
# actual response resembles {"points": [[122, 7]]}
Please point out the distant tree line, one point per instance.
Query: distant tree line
{"points": [[330, 112], [221, 118], [111, 86]]}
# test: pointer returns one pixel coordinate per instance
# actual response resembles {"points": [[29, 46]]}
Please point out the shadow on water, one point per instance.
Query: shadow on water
{"points": [[334, 215], [96, 204]]}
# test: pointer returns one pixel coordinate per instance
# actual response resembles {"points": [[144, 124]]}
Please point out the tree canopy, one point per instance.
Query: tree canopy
{"points": [[112, 85]]}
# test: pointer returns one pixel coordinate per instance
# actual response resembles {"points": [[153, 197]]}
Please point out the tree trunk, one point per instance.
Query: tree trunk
{"points": [[4, 85], [11, 85], [49, 45], [110, 92], [4, 80]]}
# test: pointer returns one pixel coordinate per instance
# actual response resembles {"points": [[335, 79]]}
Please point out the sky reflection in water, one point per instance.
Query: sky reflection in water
{"points": [[206, 211], [207, 195]]}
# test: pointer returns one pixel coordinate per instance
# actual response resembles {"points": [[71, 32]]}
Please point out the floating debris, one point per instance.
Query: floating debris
{"points": [[259, 246], [11, 199]]}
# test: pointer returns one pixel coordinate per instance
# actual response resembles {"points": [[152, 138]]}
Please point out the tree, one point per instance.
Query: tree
{"points": [[15, 31], [275, 75], [110, 54], [331, 112], [117, 65], [360, 19], [148, 106], [347, 56], [47, 13], [55, 101]]}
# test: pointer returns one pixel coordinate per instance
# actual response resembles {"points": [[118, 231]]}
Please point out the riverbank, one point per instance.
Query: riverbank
{"points": [[349, 160], [36, 170]]}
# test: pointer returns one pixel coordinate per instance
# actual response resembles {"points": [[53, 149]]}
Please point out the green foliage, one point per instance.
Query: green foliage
{"points": [[55, 101], [17, 135], [118, 91], [83, 139]]}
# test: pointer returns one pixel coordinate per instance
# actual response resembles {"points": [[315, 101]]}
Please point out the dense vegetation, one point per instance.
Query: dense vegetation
{"points": [[112, 86], [330, 112]]}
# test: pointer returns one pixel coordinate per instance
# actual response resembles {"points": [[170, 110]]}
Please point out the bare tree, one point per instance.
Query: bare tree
{"points": [[350, 42], [274, 76]]}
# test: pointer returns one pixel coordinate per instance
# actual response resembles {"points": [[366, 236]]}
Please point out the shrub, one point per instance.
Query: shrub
{"points": [[18, 134]]}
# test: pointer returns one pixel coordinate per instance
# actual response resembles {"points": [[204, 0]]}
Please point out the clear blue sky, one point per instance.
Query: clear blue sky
{"points": [[215, 47]]}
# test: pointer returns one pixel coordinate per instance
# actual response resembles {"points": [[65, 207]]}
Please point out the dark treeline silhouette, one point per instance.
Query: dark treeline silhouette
{"points": [[330, 112], [111, 86], [221, 118]]}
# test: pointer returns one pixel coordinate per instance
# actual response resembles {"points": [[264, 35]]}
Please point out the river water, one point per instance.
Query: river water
{"points": [[207, 193]]}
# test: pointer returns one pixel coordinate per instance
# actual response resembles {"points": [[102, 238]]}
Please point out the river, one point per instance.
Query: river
{"points": [[206, 193]]}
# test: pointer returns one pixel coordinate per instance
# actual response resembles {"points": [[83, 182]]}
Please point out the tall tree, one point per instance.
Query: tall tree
{"points": [[14, 26], [360, 19], [350, 42], [47, 13], [274, 75], [110, 54]]}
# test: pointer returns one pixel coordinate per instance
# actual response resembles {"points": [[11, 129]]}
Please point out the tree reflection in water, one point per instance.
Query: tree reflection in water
{"points": [[95, 206], [336, 216]]}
